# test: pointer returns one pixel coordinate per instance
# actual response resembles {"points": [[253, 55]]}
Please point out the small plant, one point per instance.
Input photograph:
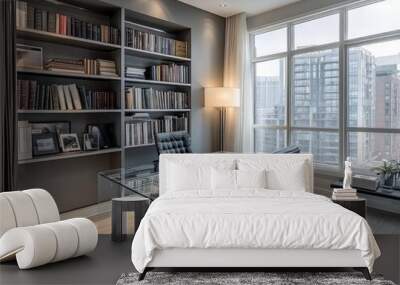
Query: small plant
{"points": [[388, 172]]}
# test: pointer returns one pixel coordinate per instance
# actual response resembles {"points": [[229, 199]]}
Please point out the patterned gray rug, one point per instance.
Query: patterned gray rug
{"points": [[243, 278]]}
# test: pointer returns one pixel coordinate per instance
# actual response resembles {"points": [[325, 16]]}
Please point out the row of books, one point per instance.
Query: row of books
{"points": [[140, 129], [169, 72], [33, 95], [344, 194], [82, 66], [32, 17], [149, 98], [154, 43]]}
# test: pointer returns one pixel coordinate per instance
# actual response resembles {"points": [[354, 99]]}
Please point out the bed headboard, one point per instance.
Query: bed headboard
{"points": [[211, 159]]}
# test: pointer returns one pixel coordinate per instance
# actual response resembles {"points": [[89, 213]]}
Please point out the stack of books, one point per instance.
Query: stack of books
{"points": [[140, 128], [107, 67], [65, 65], [149, 98], [169, 72], [31, 17], [155, 43], [344, 194], [33, 95], [134, 72]]}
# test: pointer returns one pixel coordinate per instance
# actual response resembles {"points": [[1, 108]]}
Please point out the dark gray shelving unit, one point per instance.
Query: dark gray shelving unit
{"points": [[72, 177]]}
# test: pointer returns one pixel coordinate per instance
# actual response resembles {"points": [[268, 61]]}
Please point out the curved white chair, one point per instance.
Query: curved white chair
{"points": [[31, 230]]}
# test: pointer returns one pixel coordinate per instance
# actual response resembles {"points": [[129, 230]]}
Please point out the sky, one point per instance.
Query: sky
{"points": [[372, 19]]}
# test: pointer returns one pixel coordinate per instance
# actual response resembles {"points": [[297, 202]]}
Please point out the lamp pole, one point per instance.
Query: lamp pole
{"points": [[222, 118]]}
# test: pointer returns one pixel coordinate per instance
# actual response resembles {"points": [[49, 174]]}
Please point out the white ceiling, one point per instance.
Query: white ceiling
{"points": [[226, 8]]}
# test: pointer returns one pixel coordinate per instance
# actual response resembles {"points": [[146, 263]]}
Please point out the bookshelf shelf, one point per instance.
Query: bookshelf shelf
{"points": [[156, 82], [67, 74], [69, 155], [156, 110], [68, 111], [63, 39], [138, 146], [155, 55]]}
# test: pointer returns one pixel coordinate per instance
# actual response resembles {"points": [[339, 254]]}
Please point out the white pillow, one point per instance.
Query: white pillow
{"points": [[284, 174], [182, 177], [223, 179], [251, 178]]}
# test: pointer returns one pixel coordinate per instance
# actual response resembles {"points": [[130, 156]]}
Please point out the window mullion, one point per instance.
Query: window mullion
{"points": [[342, 88], [290, 40]]}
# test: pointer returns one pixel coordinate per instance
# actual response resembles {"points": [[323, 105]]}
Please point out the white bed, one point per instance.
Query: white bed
{"points": [[198, 223]]}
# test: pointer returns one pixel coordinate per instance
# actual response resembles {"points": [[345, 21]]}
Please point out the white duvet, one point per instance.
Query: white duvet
{"points": [[250, 219]]}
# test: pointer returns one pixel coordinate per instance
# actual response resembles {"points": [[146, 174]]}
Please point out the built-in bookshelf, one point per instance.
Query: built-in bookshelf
{"points": [[156, 43]]}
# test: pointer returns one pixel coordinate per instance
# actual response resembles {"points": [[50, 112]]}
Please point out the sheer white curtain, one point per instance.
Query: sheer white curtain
{"points": [[238, 136]]}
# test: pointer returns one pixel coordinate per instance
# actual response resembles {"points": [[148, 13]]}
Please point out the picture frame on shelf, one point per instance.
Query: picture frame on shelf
{"points": [[104, 133], [45, 144], [91, 142], [69, 142], [29, 57]]}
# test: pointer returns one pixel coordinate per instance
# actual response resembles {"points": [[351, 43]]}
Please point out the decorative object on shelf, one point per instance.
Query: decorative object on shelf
{"points": [[29, 57], [44, 144], [91, 141], [388, 174], [222, 98], [348, 173], [69, 142], [104, 133]]}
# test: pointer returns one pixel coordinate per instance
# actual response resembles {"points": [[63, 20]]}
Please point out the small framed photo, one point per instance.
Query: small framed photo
{"points": [[46, 143], [69, 142], [91, 142]]}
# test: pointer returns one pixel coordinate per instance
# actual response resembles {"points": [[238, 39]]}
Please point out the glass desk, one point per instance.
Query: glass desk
{"points": [[130, 190]]}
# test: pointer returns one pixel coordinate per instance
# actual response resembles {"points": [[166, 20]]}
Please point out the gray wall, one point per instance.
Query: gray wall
{"points": [[207, 40], [291, 11]]}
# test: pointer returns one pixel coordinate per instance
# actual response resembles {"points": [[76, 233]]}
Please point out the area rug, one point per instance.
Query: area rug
{"points": [[244, 278]]}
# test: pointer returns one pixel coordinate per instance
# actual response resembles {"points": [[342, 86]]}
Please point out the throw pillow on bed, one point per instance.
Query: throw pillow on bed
{"points": [[226, 179]]}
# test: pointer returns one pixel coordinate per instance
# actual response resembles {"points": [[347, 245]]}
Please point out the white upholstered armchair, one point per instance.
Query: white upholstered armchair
{"points": [[31, 230]]}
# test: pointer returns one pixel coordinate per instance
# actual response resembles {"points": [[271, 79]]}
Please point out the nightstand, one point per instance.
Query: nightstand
{"points": [[358, 206]]}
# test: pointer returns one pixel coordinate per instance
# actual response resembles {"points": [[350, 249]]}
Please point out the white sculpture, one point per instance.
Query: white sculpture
{"points": [[347, 174]]}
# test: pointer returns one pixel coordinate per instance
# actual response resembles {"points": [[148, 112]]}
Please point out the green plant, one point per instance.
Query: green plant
{"points": [[388, 167]]}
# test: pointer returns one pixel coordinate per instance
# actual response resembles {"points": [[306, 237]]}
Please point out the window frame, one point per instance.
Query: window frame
{"points": [[343, 45]]}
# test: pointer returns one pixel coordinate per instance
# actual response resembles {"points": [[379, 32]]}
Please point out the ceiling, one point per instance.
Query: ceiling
{"points": [[226, 8]]}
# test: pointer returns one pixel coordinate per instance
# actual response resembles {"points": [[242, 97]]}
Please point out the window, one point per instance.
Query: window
{"points": [[270, 109], [317, 32], [315, 95], [303, 66], [379, 17], [271, 42], [270, 94], [373, 74]]}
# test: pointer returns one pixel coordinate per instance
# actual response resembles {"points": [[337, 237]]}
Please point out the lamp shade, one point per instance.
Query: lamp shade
{"points": [[221, 97]]}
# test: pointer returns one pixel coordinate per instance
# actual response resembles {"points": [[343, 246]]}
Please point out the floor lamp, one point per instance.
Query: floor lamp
{"points": [[222, 98]]}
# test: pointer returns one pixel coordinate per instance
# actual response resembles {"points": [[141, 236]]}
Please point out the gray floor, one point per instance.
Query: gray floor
{"points": [[110, 260], [383, 222], [103, 266]]}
